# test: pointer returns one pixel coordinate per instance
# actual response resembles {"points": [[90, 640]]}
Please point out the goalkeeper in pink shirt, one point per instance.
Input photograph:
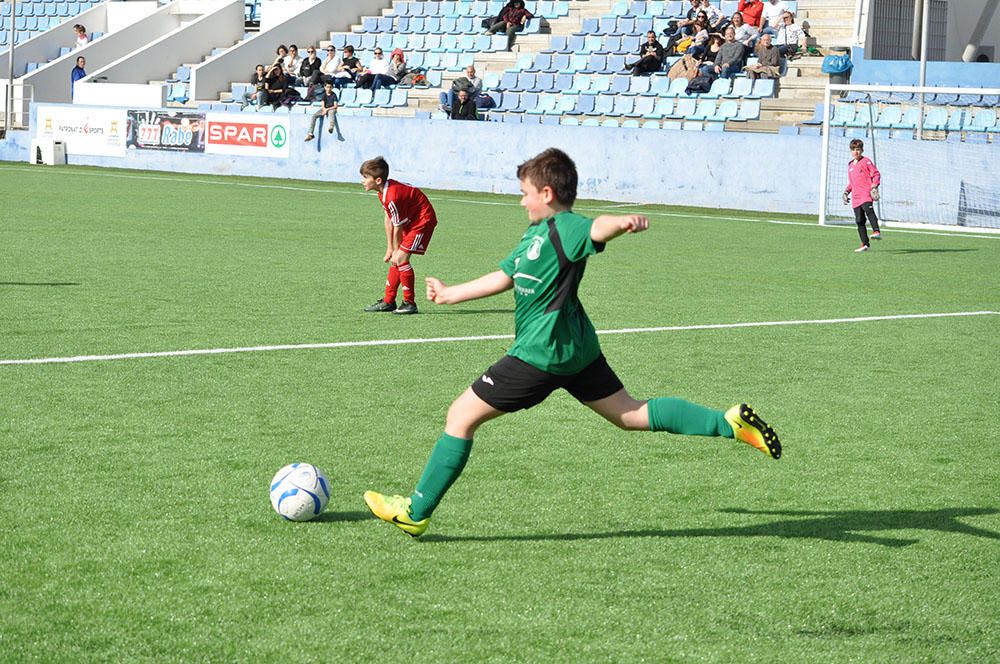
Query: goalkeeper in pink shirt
{"points": [[862, 188]]}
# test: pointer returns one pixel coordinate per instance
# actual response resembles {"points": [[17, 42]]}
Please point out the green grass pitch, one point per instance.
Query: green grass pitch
{"points": [[135, 520]]}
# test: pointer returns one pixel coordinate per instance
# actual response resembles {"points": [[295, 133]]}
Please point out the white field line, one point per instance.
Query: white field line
{"points": [[619, 207], [487, 337]]}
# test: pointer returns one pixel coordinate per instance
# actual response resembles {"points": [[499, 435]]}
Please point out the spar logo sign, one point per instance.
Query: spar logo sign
{"points": [[238, 134]]}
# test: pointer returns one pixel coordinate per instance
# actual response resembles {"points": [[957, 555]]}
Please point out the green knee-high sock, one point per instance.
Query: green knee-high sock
{"points": [[445, 465], [680, 416]]}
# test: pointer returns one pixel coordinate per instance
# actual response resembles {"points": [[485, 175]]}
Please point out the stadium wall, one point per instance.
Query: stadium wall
{"points": [[907, 72], [748, 171]]}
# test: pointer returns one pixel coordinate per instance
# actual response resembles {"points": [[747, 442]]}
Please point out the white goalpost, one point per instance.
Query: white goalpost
{"points": [[938, 150]]}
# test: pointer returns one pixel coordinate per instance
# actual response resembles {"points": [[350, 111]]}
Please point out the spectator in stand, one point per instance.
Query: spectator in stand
{"points": [[329, 107], [309, 72], [746, 34], [378, 66], [790, 38], [258, 95], [512, 19], [470, 83], [707, 66], [397, 70], [81, 36], [701, 35], [768, 63], [771, 19], [751, 10], [77, 73], [330, 65], [464, 108], [349, 70], [682, 27], [651, 56], [731, 56], [292, 62], [716, 19], [275, 85]]}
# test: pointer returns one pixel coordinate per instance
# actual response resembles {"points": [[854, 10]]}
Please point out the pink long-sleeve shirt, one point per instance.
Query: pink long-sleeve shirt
{"points": [[861, 177]]}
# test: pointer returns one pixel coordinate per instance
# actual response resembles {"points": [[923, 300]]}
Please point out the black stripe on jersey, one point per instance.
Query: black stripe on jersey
{"points": [[569, 273]]}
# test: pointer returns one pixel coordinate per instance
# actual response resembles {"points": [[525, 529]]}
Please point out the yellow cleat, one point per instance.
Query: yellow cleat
{"points": [[749, 428], [396, 510]]}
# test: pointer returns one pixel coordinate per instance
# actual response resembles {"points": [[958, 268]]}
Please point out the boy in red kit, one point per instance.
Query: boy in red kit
{"points": [[863, 180], [409, 224]]}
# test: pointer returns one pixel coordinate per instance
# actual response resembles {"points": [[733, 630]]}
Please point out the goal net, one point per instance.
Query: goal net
{"points": [[938, 151]]}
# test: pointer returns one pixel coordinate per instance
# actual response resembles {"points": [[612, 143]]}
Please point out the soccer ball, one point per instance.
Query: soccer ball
{"points": [[299, 492]]}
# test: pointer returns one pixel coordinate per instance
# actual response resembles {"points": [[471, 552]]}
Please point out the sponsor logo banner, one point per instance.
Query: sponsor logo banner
{"points": [[179, 131], [87, 131], [247, 134]]}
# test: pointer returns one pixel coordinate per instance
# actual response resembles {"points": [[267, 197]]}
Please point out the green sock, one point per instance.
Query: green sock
{"points": [[445, 465], [680, 416]]}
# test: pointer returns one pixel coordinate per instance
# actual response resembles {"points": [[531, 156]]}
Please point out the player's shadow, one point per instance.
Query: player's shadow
{"points": [[39, 283], [928, 251], [849, 526], [453, 311], [328, 517]]}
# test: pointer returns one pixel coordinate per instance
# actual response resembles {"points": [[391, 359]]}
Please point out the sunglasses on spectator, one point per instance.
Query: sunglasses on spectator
{"points": [[378, 52]]}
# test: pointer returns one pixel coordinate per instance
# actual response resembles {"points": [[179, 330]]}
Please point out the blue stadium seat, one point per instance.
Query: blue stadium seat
{"points": [[630, 45], [720, 87], [557, 44], [742, 86], [606, 26], [584, 104], [620, 83], [566, 104], [908, 120], [581, 83], [956, 120], [546, 104], [763, 87], [363, 97], [936, 119], [677, 87], [727, 110], [749, 110], [890, 117], [528, 101], [600, 84], [842, 114], [603, 105], [706, 109], [400, 97], [610, 44], [639, 85], [984, 119], [664, 108], [693, 125], [615, 64], [542, 63], [590, 26], [623, 106], [644, 106], [591, 122]]}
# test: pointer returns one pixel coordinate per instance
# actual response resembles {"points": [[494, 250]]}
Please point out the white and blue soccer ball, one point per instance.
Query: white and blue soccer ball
{"points": [[299, 492]]}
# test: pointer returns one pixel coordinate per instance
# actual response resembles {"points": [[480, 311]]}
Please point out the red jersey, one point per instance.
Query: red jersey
{"points": [[751, 13], [407, 206]]}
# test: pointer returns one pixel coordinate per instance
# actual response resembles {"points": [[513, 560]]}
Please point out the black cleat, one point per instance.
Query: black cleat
{"points": [[381, 305], [407, 308]]}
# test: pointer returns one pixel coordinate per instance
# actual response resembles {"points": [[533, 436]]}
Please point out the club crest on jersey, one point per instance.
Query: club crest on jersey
{"points": [[535, 249]]}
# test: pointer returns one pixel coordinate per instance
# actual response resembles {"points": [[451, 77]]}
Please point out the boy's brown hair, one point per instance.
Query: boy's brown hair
{"points": [[857, 143], [377, 168], [552, 168]]}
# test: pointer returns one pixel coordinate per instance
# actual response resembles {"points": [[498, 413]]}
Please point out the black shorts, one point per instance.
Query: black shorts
{"points": [[512, 384]]}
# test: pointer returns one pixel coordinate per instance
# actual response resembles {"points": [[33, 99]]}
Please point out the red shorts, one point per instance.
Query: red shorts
{"points": [[416, 240]]}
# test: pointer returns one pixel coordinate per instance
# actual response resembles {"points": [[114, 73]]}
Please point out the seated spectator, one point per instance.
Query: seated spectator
{"points": [[377, 67], [293, 62], [685, 27], [81, 36], [330, 64], [512, 19], [715, 43], [329, 107], [281, 53], [77, 73], [716, 19], [731, 56], [699, 43], [771, 18], [310, 72], [746, 34], [464, 108], [651, 56], [275, 86], [751, 11], [768, 63], [349, 69], [258, 95], [790, 38], [397, 70], [470, 83]]}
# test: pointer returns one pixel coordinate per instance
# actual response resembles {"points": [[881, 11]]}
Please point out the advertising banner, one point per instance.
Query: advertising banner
{"points": [[86, 131], [178, 131], [247, 134]]}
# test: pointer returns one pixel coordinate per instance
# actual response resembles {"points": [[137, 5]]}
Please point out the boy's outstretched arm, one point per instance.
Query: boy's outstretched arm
{"points": [[484, 286], [607, 227]]}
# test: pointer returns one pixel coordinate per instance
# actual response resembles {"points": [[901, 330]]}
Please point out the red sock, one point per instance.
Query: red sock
{"points": [[406, 278], [392, 284]]}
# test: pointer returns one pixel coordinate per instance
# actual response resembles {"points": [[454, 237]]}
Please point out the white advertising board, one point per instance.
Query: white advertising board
{"points": [[247, 135], [86, 131]]}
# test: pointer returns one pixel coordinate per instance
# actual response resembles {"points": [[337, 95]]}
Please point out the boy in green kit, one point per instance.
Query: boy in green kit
{"points": [[555, 345]]}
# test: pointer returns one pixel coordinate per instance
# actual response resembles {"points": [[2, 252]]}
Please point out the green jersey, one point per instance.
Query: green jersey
{"points": [[552, 331]]}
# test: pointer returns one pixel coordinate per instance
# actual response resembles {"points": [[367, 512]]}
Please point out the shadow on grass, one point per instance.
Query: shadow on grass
{"points": [[452, 311], [39, 283], [343, 516], [928, 251], [849, 526]]}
